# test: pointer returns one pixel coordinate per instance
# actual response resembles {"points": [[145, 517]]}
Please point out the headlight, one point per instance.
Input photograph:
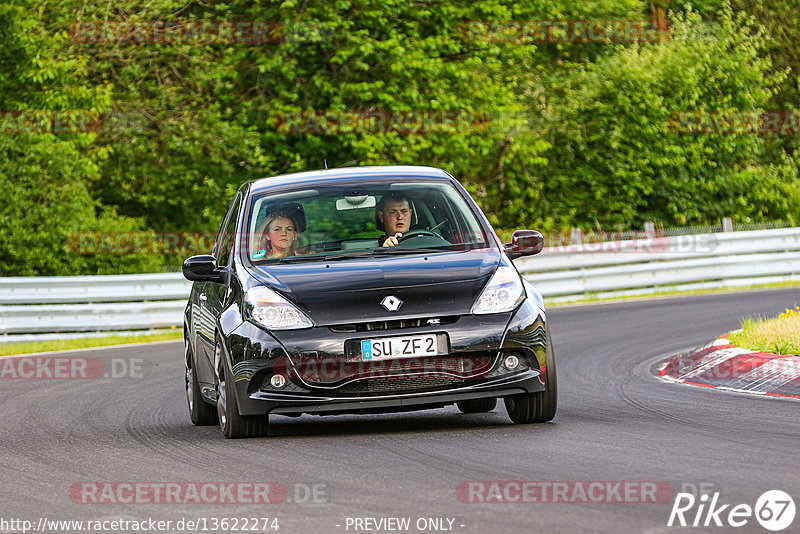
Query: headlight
{"points": [[503, 293], [272, 311]]}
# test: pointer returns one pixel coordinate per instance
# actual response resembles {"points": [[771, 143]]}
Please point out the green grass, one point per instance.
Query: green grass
{"points": [[27, 347], [589, 299], [780, 335]]}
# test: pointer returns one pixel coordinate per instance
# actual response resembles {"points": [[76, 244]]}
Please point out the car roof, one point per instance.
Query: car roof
{"points": [[348, 174]]}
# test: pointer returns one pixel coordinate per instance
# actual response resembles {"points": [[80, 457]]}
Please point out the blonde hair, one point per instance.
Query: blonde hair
{"points": [[265, 244]]}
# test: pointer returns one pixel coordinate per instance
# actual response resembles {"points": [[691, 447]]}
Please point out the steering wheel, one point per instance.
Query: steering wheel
{"points": [[417, 233]]}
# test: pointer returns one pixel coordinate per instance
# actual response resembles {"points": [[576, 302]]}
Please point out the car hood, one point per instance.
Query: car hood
{"points": [[348, 291]]}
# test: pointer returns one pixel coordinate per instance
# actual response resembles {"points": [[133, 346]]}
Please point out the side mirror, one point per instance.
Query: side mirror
{"points": [[203, 268], [524, 243]]}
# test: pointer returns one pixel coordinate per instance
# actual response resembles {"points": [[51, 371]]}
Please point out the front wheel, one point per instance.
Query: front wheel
{"points": [[233, 424], [538, 407]]}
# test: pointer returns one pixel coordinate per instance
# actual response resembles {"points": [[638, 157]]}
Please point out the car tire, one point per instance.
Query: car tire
{"points": [[200, 412], [233, 424], [477, 405], [538, 407]]}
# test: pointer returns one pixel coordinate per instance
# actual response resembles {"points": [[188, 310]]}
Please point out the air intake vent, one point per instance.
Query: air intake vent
{"points": [[374, 326]]}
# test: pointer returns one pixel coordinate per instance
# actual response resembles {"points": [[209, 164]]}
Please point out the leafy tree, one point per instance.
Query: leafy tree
{"points": [[564, 133], [615, 160], [43, 175]]}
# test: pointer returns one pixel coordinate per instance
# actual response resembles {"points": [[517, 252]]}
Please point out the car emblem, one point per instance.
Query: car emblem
{"points": [[391, 303]]}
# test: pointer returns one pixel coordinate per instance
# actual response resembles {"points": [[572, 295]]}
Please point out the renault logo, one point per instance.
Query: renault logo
{"points": [[391, 303]]}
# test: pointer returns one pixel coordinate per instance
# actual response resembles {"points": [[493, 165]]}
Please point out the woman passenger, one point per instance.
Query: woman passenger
{"points": [[278, 237]]}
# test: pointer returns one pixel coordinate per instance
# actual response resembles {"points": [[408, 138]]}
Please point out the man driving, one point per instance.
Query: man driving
{"points": [[394, 215]]}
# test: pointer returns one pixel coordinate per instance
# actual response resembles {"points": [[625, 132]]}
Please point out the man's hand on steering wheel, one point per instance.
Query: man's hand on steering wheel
{"points": [[393, 240], [399, 237], [417, 233]]}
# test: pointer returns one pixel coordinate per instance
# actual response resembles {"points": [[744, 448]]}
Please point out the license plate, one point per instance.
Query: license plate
{"points": [[399, 347]]}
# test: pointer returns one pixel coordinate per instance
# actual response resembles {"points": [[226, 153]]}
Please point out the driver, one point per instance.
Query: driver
{"points": [[394, 215]]}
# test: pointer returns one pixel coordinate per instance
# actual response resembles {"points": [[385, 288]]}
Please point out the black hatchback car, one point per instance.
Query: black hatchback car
{"points": [[362, 290]]}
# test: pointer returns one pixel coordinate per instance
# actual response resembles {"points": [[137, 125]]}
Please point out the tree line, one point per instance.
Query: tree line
{"points": [[120, 120]]}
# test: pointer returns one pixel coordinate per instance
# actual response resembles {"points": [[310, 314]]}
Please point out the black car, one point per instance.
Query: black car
{"points": [[362, 290]]}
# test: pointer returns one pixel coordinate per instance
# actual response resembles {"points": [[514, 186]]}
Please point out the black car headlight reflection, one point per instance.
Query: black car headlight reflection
{"points": [[534, 295], [272, 311], [503, 293]]}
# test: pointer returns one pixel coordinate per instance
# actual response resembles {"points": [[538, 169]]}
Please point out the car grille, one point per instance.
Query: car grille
{"points": [[372, 326], [388, 385], [343, 376]]}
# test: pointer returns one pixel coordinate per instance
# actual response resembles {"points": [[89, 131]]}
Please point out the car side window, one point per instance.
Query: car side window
{"points": [[224, 244]]}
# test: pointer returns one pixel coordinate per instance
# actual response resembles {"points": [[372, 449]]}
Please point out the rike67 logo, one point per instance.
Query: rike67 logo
{"points": [[774, 510]]}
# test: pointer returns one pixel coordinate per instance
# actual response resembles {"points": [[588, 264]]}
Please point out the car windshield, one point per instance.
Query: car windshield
{"points": [[344, 222]]}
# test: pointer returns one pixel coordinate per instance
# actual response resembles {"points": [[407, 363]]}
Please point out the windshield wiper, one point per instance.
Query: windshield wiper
{"points": [[378, 251], [349, 255], [401, 250], [326, 257], [298, 259]]}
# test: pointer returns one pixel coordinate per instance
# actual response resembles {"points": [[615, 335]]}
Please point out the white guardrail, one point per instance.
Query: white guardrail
{"points": [[35, 305], [619, 268], [91, 303]]}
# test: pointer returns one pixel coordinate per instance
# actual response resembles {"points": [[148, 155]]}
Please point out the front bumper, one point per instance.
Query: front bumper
{"points": [[279, 403], [255, 354]]}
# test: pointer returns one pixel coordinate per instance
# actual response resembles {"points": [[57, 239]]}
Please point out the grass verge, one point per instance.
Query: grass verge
{"points": [[27, 347], [780, 335]]}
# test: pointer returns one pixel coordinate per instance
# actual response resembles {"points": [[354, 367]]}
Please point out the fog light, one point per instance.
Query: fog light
{"points": [[277, 381], [511, 362]]}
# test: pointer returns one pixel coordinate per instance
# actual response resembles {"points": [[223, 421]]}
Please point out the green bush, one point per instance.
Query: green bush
{"points": [[577, 133], [615, 161], [44, 177]]}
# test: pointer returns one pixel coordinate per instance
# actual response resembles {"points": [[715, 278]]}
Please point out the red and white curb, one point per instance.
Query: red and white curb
{"points": [[724, 366]]}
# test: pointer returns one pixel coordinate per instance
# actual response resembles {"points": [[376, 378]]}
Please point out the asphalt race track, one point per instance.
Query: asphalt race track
{"points": [[615, 422]]}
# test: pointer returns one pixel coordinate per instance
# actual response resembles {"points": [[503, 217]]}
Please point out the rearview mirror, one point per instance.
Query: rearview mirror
{"points": [[524, 243], [355, 202], [203, 268]]}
